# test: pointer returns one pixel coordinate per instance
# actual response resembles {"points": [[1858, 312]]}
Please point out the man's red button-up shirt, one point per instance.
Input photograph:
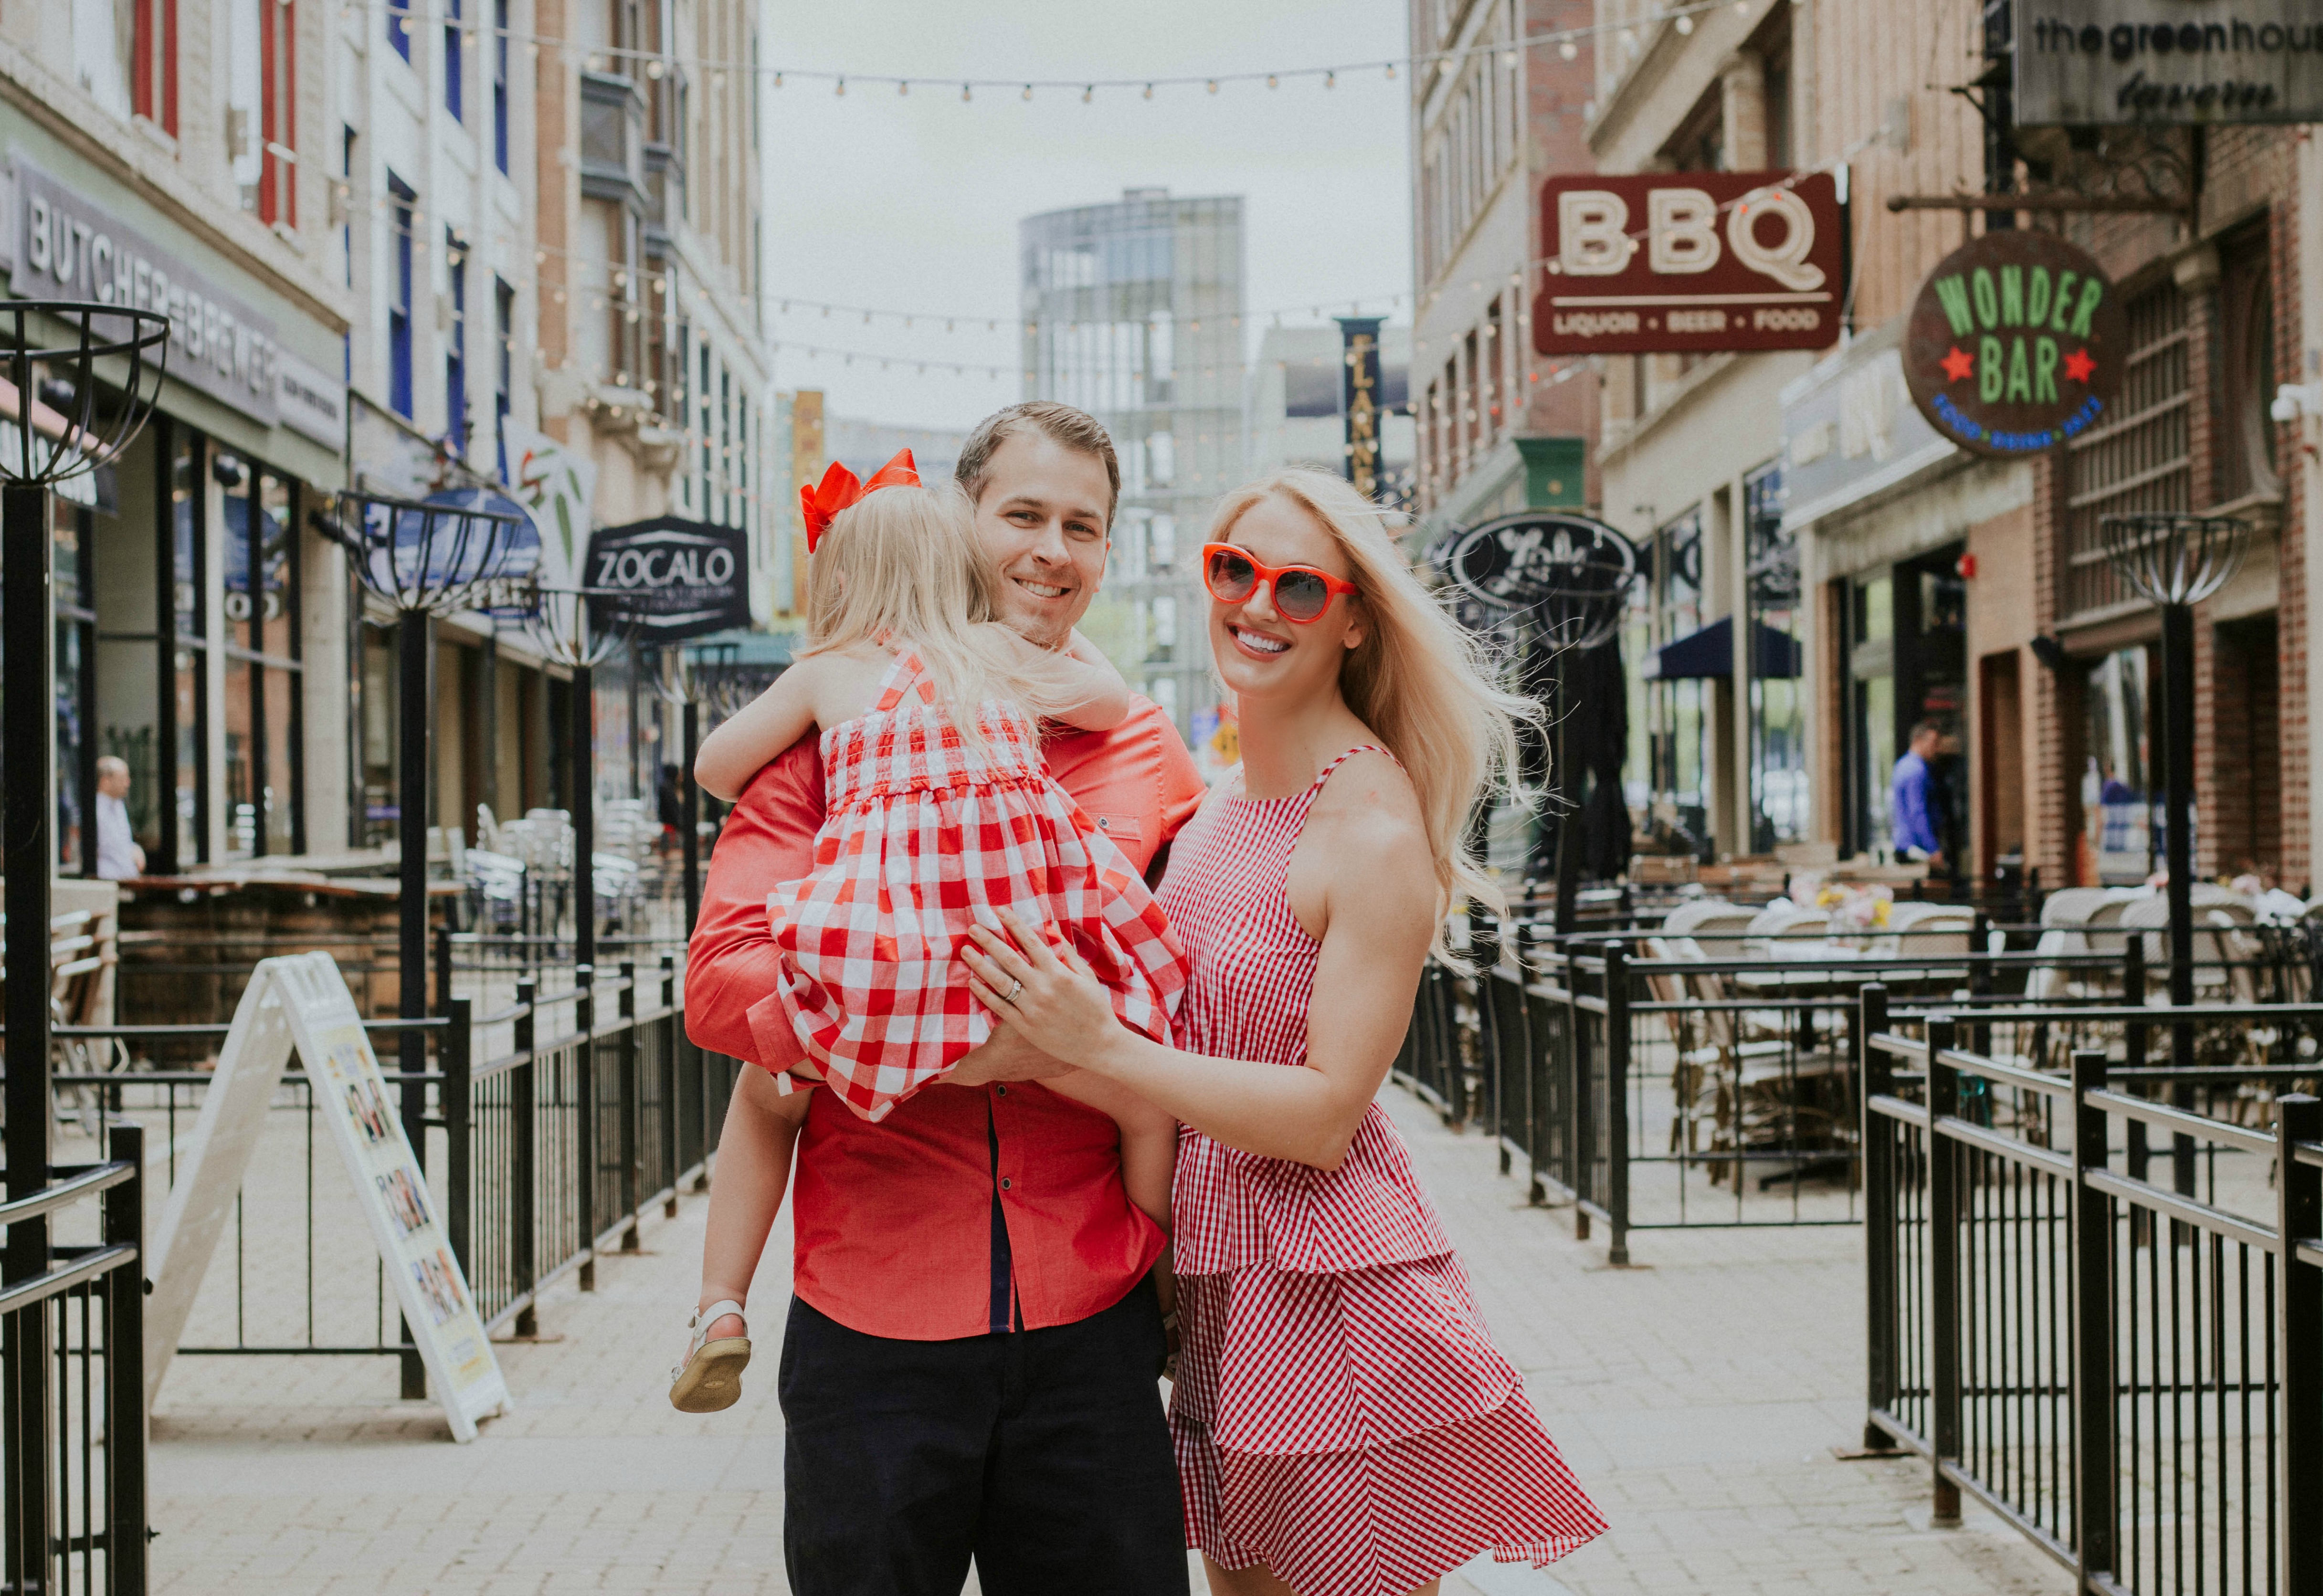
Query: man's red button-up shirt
{"points": [[896, 1222]]}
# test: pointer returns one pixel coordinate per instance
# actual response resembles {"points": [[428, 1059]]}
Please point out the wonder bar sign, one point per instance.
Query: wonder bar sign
{"points": [[1688, 263], [2081, 63], [2014, 346]]}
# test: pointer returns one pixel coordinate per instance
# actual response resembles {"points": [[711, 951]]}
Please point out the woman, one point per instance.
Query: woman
{"points": [[1344, 1426]]}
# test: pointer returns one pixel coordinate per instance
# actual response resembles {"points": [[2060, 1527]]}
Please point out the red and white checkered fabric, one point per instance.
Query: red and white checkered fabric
{"points": [[1341, 1414], [927, 832]]}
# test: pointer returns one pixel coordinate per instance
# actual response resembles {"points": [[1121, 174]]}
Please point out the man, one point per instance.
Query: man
{"points": [[968, 1368], [1913, 800], [118, 857]]}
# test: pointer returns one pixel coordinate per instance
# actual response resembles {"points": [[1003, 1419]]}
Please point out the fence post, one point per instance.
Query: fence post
{"points": [[1878, 1072], [1580, 1141], [1943, 1269], [524, 1160], [1617, 1100], [667, 1055], [126, 1439], [456, 1098], [588, 1152], [2299, 1349], [2095, 1516], [444, 969], [632, 1151], [1980, 980]]}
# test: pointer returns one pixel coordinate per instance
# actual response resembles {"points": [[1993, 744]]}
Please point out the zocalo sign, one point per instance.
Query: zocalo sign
{"points": [[2016, 344], [1668, 262], [2086, 62], [668, 579]]}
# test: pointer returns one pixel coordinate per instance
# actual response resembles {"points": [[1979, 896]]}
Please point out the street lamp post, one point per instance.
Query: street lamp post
{"points": [[1584, 596], [53, 430], [426, 560], [677, 687], [560, 625], [2175, 561]]}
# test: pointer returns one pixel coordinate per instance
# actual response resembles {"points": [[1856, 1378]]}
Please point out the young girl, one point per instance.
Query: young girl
{"points": [[939, 815]]}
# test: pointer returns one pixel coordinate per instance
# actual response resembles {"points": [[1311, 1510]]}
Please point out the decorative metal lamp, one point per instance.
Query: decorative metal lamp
{"points": [[55, 424], [2175, 560], [561, 628], [428, 559]]}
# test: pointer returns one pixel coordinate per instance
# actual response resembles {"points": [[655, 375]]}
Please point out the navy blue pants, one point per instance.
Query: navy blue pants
{"points": [[1043, 1455]]}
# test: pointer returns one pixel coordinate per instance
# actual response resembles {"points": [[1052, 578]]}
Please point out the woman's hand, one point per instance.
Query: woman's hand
{"points": [[1044, 996]]}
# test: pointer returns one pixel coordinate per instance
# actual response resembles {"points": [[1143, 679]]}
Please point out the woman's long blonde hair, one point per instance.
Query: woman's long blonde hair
{"points": [[902, 566], [1419, 679]]}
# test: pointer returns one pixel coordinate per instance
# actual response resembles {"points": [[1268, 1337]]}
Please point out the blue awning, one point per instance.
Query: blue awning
{"points": [[1709, 653]]}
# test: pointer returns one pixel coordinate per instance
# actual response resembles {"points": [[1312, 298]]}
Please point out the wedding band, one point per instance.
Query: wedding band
{"points": [[1009, 997]]}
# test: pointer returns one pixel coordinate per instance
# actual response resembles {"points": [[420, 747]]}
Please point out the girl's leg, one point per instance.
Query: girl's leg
{"points": [[746, 1189]]}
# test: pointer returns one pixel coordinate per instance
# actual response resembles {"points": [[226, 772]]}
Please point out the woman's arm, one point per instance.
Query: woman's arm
{"points": [[1380, 897], [769, 723]]}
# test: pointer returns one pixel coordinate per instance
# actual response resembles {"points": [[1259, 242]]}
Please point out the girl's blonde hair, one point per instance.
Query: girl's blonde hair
{"points": [[902, 565], [1419, 679]]}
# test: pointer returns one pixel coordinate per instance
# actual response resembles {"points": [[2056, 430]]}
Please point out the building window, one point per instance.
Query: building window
{"points": [[398, 27], [455, 347], [154, 63], [277, 116], [503, 371], [453, 74], [704, 434], [725, 446], [266, 814], [2140, 462], [500, 85], [73, 529], [399, 303], [741, 471], [2246, 462], [1778, 754], [184, 701]]}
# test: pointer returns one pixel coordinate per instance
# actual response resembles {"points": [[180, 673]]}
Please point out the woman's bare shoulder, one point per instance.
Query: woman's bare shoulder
{"points": [[1370, 792]]}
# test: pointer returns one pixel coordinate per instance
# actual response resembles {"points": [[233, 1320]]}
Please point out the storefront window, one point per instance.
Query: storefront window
{"points": [[1778, 751], [1872, 670], [376, 778], [1680, 709], [2119, 836], [75, 669], [186, 729], [124, 582], [262, 669]]}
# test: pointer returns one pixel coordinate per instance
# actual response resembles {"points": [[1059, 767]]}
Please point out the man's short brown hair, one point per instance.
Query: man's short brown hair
{"points": [[1075, 429]]}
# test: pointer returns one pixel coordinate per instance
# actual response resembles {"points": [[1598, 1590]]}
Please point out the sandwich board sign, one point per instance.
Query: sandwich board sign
{"points": [[302, 1003]]}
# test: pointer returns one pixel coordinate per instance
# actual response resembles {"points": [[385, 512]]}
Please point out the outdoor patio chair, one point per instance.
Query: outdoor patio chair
{"points": [[1695, 1056], [1761, 1092]]}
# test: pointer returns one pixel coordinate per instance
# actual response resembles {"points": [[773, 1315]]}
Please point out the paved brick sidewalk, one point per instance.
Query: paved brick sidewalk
{"points": [[1697, 1397]]}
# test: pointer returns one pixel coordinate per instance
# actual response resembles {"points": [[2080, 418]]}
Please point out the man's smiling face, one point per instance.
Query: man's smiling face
{"points": [[1043, 517]]}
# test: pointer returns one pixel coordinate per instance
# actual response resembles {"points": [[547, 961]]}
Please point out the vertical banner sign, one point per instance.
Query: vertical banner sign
{"points": [[1360, 400], [2016, 344], [302, 1003], [1689, 263]]}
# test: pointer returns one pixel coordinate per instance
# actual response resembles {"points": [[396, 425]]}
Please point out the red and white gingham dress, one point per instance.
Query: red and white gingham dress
{"points": [[925, 833], [1340, 1413]]}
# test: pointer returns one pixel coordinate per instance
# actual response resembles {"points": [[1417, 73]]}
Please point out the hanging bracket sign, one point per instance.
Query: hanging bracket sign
{"points": [[2016, 344], [669, 579], [1556, 561]]}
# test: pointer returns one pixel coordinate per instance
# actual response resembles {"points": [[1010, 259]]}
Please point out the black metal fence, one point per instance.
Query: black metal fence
{"points": [[72, 1381], [547, 1127], [2128, 1370]]}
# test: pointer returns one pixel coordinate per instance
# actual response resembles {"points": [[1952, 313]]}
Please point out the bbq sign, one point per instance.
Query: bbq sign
{"points": [[2016, 344], [1688, 263], [670, 579]]}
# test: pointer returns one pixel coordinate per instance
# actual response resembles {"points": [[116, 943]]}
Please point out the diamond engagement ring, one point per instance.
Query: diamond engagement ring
{"points": [[1009, 996]]}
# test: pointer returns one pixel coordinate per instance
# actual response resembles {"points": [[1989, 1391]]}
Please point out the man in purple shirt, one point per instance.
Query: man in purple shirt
{"points": [[1912, 800]]}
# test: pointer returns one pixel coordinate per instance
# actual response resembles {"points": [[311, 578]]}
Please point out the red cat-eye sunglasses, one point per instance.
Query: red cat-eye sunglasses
{"points": [[1302, 593]]}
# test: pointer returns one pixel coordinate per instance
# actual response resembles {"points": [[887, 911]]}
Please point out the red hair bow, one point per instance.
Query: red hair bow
{"points": [[838, 489]]}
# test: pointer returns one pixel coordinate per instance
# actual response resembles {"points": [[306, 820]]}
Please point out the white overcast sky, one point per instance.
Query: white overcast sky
{"points": [[912, 202]]}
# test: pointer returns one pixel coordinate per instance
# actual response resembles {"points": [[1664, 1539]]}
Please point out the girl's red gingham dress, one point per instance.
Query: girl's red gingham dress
{"points": [[1340, 1413], [925, 832]]}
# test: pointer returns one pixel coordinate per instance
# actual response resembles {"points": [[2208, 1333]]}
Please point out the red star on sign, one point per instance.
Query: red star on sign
{"points": [[2078, 367], [1959, 365]]}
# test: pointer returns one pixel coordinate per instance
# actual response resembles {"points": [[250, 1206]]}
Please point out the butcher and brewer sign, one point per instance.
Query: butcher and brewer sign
{"points": [[669, 579], [2016, 344], [1689, 262]]}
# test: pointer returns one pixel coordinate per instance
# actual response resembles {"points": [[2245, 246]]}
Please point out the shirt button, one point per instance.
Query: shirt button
{"points": [[1003, 1091], [1006, 1183]]}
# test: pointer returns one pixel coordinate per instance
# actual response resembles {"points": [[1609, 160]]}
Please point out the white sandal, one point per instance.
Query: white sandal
{"points": [[711, 1377]]}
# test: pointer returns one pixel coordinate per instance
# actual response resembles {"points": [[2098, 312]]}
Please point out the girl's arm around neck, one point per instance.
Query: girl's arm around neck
{"points": [[777, 717], [1094, 696]]}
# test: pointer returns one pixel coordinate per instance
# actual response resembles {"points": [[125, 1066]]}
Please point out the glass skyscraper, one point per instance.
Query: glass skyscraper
{"points": [[1132, 311]]}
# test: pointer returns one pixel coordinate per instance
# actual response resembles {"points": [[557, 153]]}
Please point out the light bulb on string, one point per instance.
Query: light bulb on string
{"points": [[1684, 24], [841, 90], [1149, 91], [1391, 71], [1028, 91], [903, 86], [965, 95], [1214, 85], [1088, 93], [1272, 82], [1330, 80], [778, 80]]}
